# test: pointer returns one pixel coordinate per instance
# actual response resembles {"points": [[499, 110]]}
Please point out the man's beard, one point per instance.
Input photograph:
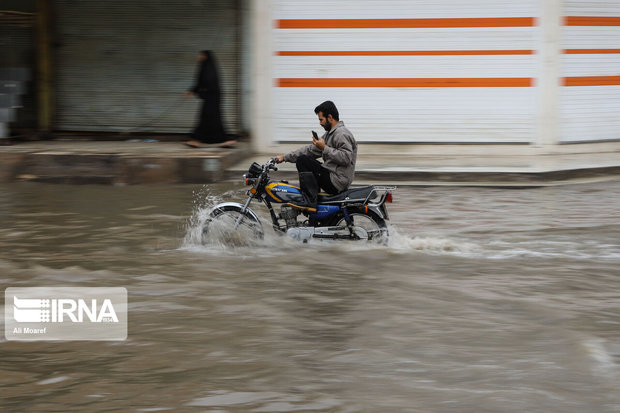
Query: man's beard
{"points": [[327, 126]]}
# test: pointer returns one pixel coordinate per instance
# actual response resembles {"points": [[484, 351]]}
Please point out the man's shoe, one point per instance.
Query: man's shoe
{"points": [[302, 207]]}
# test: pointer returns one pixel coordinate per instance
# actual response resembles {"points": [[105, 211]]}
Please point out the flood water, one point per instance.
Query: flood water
{"points": [[484, 300]]}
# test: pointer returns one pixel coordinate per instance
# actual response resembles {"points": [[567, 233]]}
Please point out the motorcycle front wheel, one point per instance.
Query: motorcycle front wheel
{"points": [[227, 225], [375, 226]]}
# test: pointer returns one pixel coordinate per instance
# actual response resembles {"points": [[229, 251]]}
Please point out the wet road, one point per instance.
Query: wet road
{"points": [[485, 300]]}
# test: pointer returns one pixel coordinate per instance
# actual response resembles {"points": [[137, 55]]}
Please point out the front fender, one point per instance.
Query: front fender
{"points": [[227, 206]]}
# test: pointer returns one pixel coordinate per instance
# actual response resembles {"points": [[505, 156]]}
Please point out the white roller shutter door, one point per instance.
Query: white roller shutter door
{"points": [[590, 97], [407, 71]]}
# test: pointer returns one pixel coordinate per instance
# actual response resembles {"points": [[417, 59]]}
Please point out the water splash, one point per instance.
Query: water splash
{"points": [[405, 243], [222, 235], [204, 201], [228, 241]]}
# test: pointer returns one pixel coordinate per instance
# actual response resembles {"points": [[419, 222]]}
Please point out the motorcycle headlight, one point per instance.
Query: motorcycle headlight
{"points": [[255, 170]]}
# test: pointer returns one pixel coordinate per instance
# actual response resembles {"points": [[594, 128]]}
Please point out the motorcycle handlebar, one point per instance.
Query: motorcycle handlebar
{"points": [[272, 164]]}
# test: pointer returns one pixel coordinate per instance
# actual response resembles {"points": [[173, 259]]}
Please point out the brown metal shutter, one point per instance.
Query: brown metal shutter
{"points": [[121, 64], [17, 60]]}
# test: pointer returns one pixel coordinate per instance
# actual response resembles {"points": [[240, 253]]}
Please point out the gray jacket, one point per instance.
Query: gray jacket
{"points": [[339, 155]]}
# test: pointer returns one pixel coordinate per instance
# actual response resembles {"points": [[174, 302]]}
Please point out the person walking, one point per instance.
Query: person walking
{"points": [[210, 129]]}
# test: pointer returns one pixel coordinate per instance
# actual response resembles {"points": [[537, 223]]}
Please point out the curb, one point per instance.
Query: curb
{"points": [[116, 169]]}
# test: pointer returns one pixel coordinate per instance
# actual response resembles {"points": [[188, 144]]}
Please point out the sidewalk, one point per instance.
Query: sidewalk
{"points": [[136, 161], [513, 171], [147, 162]]}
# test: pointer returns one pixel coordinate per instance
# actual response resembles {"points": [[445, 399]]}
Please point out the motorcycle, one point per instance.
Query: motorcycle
{"points": [[357, 214]]}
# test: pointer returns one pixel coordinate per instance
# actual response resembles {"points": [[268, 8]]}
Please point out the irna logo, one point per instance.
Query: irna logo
{"points": [[65, 313], [32, 310]]}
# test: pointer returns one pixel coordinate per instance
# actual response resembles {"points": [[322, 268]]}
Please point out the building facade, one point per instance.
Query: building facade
{"points": [[482, 76], [516, 76]]}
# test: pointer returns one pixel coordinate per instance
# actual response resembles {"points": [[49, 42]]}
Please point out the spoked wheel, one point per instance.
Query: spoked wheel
{"points": [[374, 226], [226, 225]]}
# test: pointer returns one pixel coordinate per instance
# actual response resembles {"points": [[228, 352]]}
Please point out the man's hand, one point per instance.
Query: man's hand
{"points": [[280, 158], [318, 143]]}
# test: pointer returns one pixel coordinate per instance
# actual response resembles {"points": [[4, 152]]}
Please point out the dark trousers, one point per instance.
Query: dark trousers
{"points": [[307, 163]]}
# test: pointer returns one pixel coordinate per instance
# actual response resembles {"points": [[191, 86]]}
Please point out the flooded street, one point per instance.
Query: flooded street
{"points": [[484, 300]]}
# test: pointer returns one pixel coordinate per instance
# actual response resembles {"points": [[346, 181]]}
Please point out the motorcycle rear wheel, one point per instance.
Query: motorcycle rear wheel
{"points": [[375, 226], [220, 228]]}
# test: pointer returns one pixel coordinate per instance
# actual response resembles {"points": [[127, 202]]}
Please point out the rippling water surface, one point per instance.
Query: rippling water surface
{"points": [[484, 300]]}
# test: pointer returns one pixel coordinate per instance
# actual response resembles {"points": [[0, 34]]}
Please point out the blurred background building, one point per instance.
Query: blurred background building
{"points": [[478, 76]]}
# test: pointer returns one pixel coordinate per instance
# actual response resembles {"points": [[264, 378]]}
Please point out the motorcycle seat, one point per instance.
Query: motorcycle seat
{"points": [[359, 194]]}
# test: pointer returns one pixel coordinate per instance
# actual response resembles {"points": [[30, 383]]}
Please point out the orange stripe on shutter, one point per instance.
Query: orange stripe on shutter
{"points": [[591, 81], [591, 51], [409, 82], [406, 53], [403, 23], [591, 21]]}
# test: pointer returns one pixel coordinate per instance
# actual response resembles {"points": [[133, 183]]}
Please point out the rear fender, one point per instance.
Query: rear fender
{"points": [[379, 207]]}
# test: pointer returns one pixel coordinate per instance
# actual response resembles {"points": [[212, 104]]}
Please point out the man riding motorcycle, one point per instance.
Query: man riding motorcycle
{"points": [[338, 149]]}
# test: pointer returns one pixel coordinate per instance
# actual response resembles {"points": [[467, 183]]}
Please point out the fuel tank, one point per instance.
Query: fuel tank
{"points": [[282, 192]]}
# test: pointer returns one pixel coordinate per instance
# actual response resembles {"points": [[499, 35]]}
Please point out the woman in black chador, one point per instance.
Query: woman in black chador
{"points": [[210, 128]]}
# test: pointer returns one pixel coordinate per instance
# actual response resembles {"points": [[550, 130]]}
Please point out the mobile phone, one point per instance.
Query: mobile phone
{"points": [[314, 135]]}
